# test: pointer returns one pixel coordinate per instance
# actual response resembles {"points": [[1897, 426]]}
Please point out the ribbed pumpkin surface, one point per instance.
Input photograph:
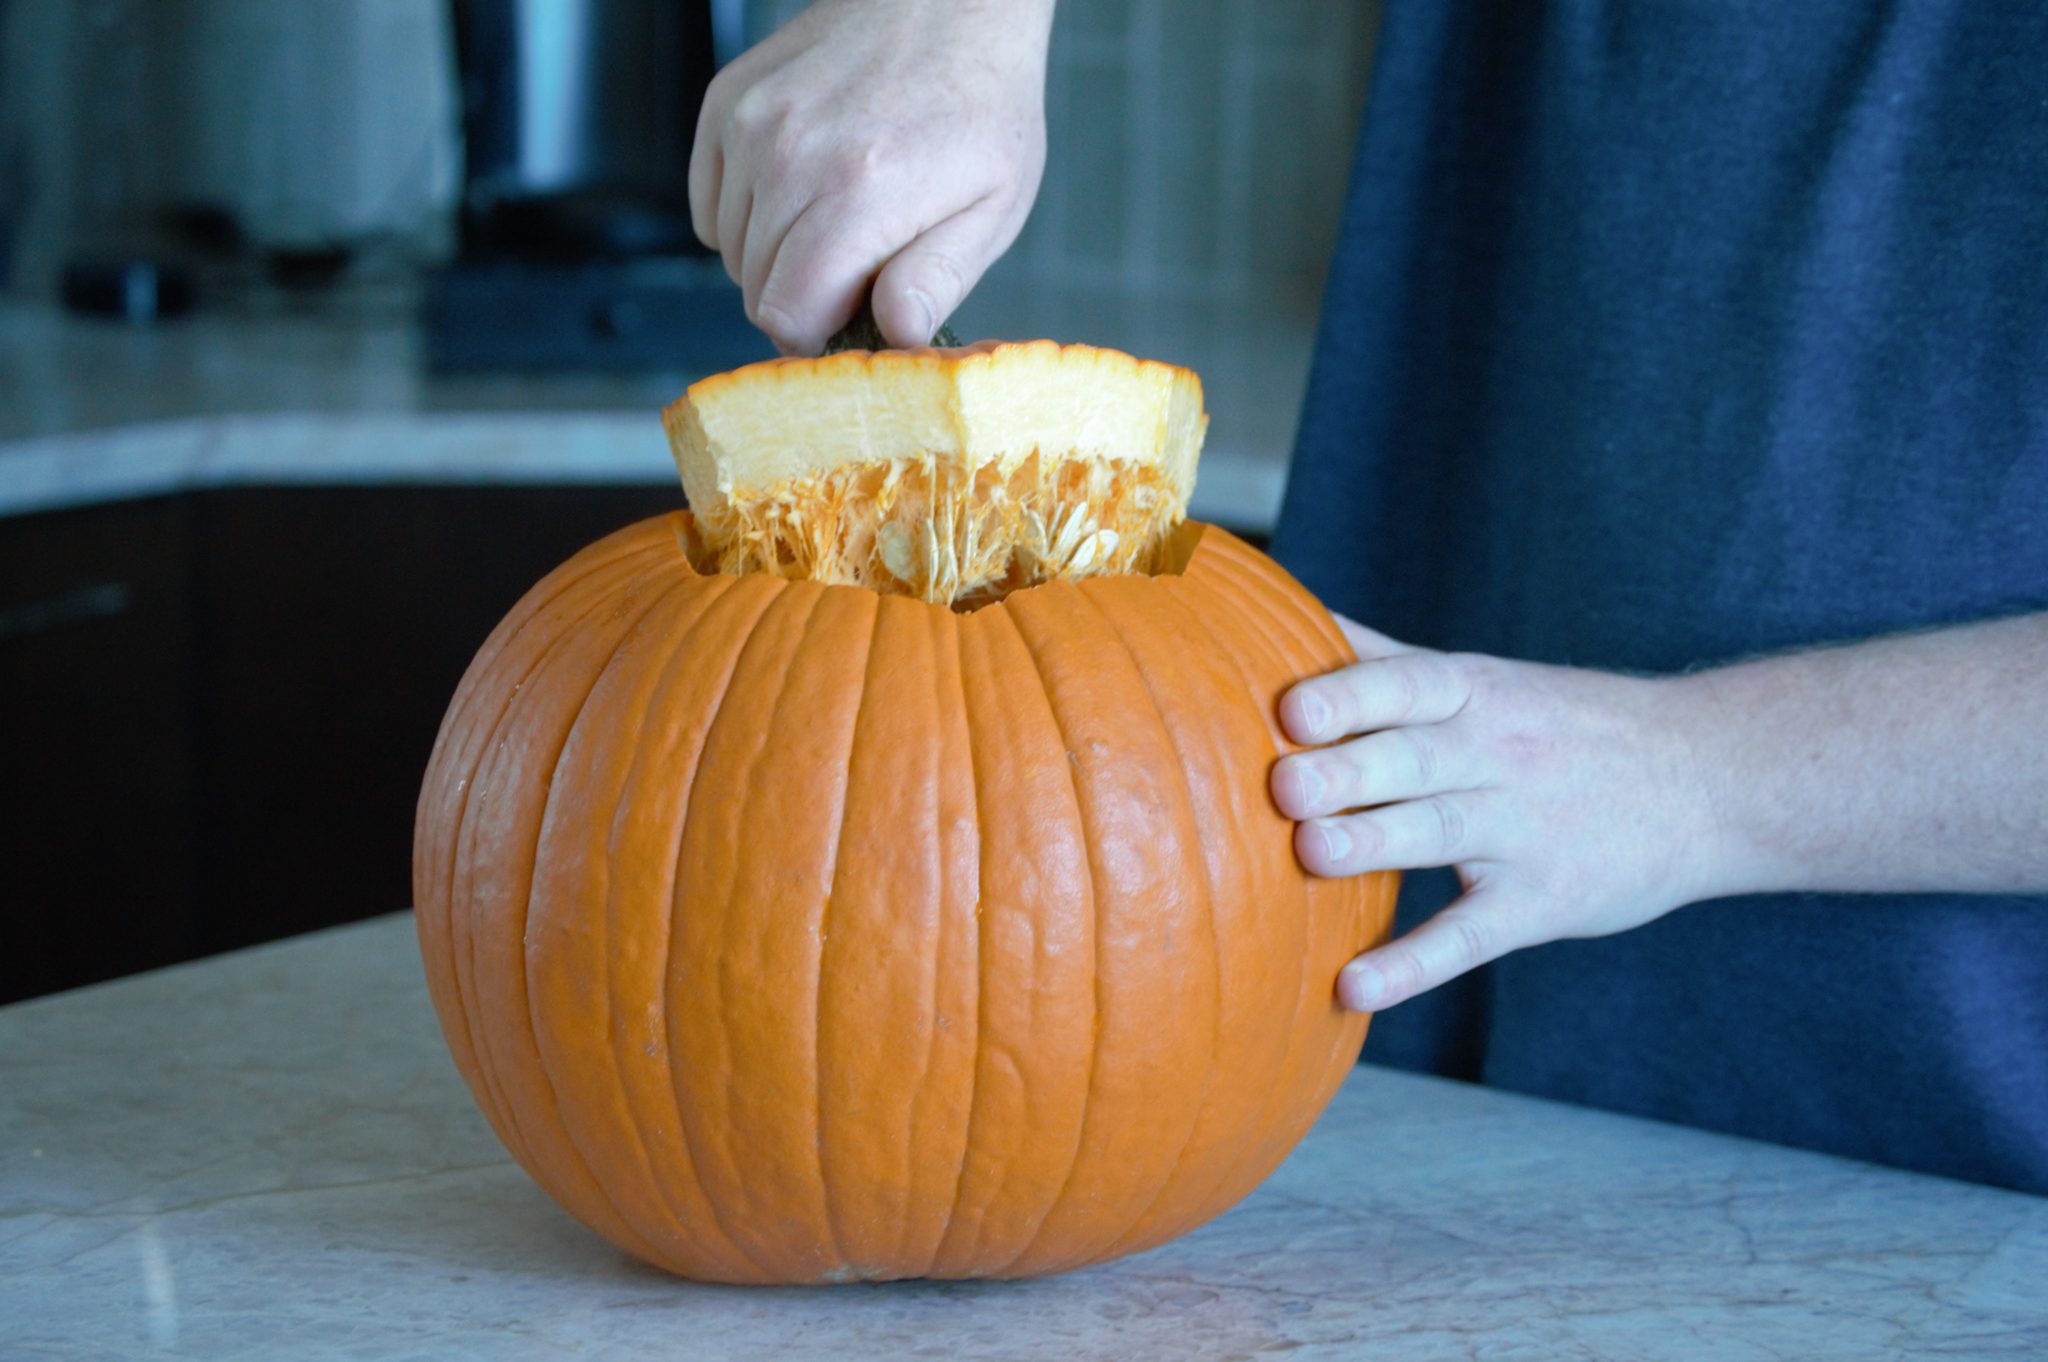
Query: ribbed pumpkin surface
{"points": [[790, 933]]}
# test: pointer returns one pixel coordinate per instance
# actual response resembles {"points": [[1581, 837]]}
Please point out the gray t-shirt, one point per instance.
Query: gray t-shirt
{"points": [[1662, 334]]}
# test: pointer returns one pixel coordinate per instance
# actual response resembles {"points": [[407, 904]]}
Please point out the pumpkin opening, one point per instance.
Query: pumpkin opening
{"points": [[955, 476]]}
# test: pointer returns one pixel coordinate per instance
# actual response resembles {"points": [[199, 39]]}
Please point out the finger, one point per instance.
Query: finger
{"points": [[816, 282], [707, 168], [768, 226], [919, 288], [1413, 835], [1369, 643], [1414, 687], [1380, 768], [1462, 937], [735, 206]]}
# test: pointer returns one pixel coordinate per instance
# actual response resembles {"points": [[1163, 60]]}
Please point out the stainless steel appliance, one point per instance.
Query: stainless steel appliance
{"points": [[575, 245]]}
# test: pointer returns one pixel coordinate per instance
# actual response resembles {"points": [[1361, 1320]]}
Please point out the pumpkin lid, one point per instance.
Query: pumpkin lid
{"points": [[955, 475]]}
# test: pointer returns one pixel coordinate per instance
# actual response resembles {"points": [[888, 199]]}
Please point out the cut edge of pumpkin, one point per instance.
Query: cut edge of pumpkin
{"points": [[956, 477], [1173, 555]]}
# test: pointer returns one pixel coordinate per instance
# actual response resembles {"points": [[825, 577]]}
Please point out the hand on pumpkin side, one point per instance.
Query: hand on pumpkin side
{"points": [[1579, 803], [892, 143], [1565, 805]]}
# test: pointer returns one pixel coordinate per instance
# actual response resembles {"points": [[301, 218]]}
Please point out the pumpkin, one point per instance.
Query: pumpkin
{"points": [[807, 900]]}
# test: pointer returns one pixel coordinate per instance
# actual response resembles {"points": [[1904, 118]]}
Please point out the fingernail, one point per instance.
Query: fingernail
{"points": [[1361, 987], [925, 310], [1309, 782], [1315, 713], [1336, 841]]}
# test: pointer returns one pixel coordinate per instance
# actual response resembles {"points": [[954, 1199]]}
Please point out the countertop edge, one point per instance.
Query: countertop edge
{"points": [[311, 448]]}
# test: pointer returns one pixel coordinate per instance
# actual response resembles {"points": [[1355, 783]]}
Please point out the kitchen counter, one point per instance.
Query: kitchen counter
{"points": [[523, 448], [93, 411], [269, 1155]]}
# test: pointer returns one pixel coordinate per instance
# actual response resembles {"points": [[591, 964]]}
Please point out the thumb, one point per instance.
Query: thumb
{"points": [[919, 288]]}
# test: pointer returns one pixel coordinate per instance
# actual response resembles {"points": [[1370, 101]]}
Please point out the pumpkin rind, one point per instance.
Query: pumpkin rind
{"points": [[790, 932]]}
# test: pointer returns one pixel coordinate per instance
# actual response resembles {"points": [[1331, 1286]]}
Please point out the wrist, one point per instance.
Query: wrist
{"points": [[1020, 28], [1010, 19], [1713, 720]]}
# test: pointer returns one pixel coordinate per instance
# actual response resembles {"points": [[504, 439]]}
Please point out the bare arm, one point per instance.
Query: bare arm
{"points": [[1578, 803], [1911, 763]]}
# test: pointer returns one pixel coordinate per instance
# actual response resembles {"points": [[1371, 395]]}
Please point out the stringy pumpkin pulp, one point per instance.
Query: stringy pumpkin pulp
{"points": [[953, 476]]}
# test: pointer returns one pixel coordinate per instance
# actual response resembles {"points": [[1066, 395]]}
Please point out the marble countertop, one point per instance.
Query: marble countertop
{"points": [[94, 411], [269, 1155]]}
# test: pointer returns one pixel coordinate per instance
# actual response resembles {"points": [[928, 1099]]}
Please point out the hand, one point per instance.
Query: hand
{"points": [[1570, 801], [897, 143]]}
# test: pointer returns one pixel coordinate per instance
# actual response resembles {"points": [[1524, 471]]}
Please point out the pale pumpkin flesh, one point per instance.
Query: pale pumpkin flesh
{"points": [[955, 476]]}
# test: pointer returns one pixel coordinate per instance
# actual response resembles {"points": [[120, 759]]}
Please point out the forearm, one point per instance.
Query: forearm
{"points": [[965, 32], [1912, 763]]}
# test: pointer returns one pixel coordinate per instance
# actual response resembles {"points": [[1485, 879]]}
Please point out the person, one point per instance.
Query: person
{"points": [[1680, 414]]}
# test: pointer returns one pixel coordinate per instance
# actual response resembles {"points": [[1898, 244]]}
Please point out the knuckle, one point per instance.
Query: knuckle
{"points": [[788, 148], [773, 317], [1407, 683], [1471, 940], [1368, 839], [1351, 772], [945, 270], [756, 109], [716, 111], [1313, 786], [1445, 681], [1403, 970], [1452, 824], [1472, 666], [1472, 674], [1424, 756], [853, 172]]}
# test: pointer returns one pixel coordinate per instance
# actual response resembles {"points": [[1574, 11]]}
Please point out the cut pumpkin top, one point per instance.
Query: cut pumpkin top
{"points": [[956, 475]]}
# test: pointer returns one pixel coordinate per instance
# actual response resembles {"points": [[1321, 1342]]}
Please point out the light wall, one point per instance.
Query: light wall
{"points": [[1198, 149]]}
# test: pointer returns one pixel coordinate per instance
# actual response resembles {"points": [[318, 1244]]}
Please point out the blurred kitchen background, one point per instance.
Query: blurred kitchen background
{"points": [[327, 326]]}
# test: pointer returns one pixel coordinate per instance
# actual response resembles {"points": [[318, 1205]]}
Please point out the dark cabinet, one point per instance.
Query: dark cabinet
{"points": [[219, 706], [98, 767]]}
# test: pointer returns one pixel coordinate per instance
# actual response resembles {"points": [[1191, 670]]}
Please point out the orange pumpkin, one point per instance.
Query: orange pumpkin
{"points": [[792, 931]]}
